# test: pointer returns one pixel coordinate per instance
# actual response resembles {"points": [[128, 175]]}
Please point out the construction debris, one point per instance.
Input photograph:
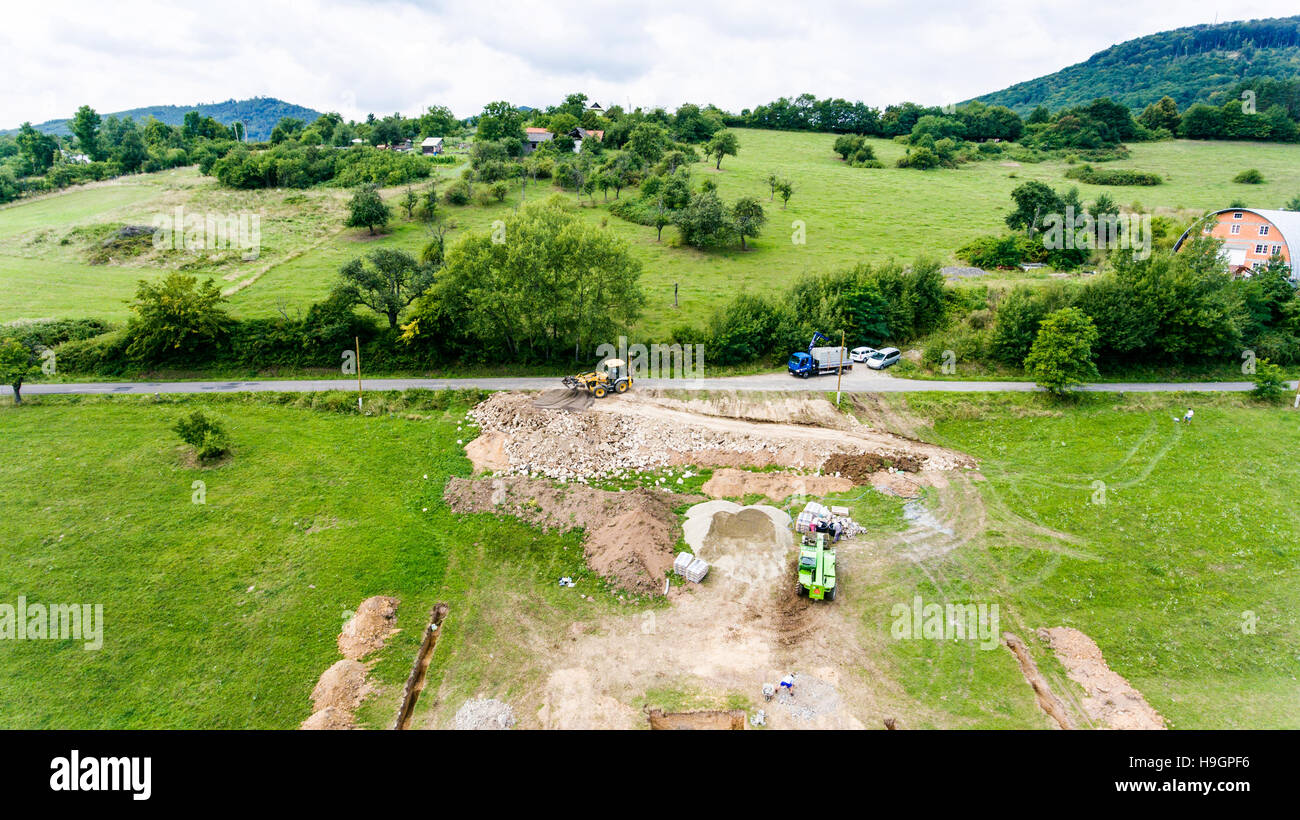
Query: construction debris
{"points": [[484, 714], [613, 439], [690, 567]]}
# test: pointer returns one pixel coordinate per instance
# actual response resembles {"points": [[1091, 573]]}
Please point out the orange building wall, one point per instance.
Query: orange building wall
{"points": [[1248, 236]]}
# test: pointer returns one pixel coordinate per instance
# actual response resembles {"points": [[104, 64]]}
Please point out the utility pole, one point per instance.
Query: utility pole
{"points": [[357, 341], [839, 375]]}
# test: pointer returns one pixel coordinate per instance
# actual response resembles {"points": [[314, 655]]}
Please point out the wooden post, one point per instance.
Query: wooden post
{"points": [[839, 376], [357, 340]]}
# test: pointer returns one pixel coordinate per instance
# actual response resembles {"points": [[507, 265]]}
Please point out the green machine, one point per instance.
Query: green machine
{"points": [[816, 568]]}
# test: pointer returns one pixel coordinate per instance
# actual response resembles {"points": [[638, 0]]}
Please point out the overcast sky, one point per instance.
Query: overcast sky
{"points": [[382, 56]]}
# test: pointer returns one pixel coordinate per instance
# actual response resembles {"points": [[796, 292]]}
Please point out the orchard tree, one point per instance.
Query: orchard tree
{"points": [[747, 218], [1061, 356], [391, 281], [17, 364], [1034, 201], [648, 142], [722, 144], [367, 210], [785, 190], [409, 201]]}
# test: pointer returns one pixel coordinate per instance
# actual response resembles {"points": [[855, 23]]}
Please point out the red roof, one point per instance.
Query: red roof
{"points": [[536, 131]]}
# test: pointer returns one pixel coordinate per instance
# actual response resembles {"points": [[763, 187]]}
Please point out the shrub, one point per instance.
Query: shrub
{"points": [[458, 193], [1250, 176], [175, 318], [1113, 176], [206, 435], [1270, 382]]}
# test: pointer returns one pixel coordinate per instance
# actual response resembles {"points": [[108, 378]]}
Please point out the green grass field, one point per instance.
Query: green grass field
{"points": [[847, 215], [224, 614], [1188, 537]]}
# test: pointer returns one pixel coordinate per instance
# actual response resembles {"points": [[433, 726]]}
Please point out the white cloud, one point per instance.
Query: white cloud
{"points": [[358, 57]]}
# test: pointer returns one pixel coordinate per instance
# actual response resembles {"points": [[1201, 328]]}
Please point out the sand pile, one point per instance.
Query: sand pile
{"points": [[369, 627], [630, 535], [616, 436]]}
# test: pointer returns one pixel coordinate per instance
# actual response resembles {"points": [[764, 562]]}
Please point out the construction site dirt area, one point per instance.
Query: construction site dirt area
{"points": [[688, 661], [642, 431], [629, 535]]}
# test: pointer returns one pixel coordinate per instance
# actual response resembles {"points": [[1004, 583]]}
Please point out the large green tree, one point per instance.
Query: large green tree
{"points": [[1061, 356], [549, 281], [366, 209], [722, 144], [17, 364], [500, 120], [747, 218], [388, 280], [85, 127], [175, 318]]}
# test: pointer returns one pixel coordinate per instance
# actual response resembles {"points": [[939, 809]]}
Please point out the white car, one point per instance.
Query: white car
{"points": [[860, 354], [885, 357]]}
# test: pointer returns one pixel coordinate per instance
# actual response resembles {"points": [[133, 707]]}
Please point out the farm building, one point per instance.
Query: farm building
{"points": [[431, 146], [580, 134], [535, 137], [1250, 236]]}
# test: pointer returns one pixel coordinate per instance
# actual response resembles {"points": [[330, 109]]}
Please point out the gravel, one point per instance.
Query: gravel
{"points": [[484, 714]]}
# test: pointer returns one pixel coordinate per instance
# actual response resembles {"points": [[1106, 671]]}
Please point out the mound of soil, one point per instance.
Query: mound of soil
{"points": [[329, 719], [630, 535], [733, 483], [860, 466], [369, 627], [343, 686]]}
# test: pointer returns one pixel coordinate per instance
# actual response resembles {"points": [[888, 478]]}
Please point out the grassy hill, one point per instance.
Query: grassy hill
{"points": [[849, 215], [259, 115], [1189, 64]]}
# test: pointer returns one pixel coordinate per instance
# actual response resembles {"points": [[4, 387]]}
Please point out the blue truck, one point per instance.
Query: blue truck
{"points": [[818, 360]]}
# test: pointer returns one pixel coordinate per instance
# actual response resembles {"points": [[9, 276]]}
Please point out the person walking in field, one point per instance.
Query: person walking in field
{"points": [[1187, 417]]}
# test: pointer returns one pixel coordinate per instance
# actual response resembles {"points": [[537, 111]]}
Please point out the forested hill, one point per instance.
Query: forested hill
{"points": [[259, 115], [1189, 64]]}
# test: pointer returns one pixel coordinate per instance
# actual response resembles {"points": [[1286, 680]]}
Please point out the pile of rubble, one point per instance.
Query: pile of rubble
{"points": [[615, 439], [483, 714]]}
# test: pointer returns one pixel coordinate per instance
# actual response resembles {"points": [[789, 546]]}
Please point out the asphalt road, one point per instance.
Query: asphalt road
{"points": [[855, 381]]}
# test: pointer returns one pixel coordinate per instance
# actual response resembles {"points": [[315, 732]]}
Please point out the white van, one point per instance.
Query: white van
{"points": [[884, 357]]}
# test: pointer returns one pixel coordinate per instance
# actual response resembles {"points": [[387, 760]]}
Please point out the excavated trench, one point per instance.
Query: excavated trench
{"points": [[419, 670], [707, 720]]}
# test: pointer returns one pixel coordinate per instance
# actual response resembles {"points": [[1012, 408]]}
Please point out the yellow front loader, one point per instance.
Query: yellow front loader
{"points": [[614, 377]]}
